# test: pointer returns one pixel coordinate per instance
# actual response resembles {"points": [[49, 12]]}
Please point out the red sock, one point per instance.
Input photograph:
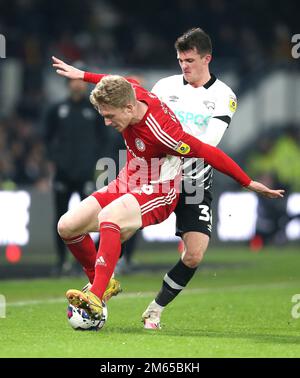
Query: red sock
{"points": [[83, 249], [107, 256]]}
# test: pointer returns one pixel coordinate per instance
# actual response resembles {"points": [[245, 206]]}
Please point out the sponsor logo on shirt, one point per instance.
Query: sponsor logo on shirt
{"points": [[187, 118], [232, 104], [182, 148]]}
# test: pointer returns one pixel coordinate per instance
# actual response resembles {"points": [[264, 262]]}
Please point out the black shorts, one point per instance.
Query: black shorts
{"points": [[194, 217]]}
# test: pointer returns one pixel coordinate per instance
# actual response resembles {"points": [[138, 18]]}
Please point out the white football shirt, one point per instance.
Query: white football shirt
{"points": [[204, 112]]}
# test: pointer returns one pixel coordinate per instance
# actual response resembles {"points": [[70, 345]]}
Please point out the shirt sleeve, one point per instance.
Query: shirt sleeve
{"points": [[91, 77], [158, 90], [226, 106], [174, 141], [190, 146], [214, 132]]}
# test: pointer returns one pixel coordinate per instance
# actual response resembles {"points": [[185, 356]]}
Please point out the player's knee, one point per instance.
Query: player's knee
{"points": [[193, 257], [64, 228]]}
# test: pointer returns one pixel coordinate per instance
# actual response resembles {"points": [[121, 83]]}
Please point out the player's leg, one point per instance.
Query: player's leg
{"points": [[117, 222], [81, 188], [177, 278], [193, 225], [114, 286], [74, 227], [81, 219]]}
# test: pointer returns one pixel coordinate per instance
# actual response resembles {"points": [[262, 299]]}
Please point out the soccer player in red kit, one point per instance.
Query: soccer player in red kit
{"points": [[146, 190]]}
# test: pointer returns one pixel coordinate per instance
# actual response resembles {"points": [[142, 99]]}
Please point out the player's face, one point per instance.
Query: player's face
{"points": [[117, 118], [193, 65]]}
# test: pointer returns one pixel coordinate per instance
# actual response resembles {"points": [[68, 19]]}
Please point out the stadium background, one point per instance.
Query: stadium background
{"points": [[251, 53]]}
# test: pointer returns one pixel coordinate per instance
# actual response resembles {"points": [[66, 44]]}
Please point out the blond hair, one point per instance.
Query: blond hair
{"points": [[113, 90]]}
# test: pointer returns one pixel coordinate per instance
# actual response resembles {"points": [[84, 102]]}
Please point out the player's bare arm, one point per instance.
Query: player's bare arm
{"points": [[263, 190], [67, 70]]}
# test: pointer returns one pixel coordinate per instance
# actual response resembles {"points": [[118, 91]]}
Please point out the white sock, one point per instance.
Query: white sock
{"points": [[156, 306]]}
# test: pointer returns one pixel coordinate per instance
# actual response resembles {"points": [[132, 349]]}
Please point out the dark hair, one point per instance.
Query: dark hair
{"points": [[195, 38]]}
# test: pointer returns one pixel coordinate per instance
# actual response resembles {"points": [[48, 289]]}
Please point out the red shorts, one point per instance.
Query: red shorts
{"points": [[156, 202]]}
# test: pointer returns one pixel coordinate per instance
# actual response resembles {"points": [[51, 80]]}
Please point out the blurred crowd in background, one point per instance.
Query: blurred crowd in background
{"points": [[134, 33], [246, 35]]}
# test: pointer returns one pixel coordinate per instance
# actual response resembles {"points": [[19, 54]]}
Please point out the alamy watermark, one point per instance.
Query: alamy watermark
{"points": [[296, 47], [2, 306], [153, 176], [296, 308], [2, 46]]}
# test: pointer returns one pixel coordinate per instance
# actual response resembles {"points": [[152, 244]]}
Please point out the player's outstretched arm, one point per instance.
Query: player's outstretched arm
{"points": [[72, 72], [260, 188], [67, 70], [223, 163], [219, 160]]}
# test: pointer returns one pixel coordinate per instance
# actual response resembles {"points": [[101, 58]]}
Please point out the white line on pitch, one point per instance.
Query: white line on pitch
{"points": [[152, 293]]}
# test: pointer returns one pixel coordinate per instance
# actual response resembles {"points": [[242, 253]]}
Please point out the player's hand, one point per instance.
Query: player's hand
{"points": [[66, 70], [260, 188]]}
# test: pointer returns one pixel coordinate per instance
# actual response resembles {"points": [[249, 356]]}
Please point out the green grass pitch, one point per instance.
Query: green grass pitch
{"points": [[239, 304]]}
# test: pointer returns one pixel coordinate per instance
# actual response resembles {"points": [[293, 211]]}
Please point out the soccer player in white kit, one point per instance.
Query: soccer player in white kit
{"points": [[204, 105]]}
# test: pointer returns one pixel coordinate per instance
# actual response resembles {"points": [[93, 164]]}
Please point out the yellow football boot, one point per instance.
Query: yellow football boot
{"points": [[87, 301]]}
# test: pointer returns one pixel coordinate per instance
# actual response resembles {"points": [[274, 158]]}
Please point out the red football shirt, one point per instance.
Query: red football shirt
{"points": [[158, 136]]}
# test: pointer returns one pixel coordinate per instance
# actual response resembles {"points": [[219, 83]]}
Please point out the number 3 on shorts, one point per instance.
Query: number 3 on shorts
{"points": [[205, 213]]}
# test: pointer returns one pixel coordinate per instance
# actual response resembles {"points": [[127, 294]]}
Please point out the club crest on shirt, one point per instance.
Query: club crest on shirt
{"points": [[182, 148], [140, 145], [210, 105], [232, 103], [173, 98]]}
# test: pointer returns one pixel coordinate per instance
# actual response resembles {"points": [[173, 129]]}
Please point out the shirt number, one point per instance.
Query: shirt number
{"points": [[205, 213]]}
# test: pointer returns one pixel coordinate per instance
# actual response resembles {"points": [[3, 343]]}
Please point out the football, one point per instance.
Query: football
{"points": [[79, 319]]}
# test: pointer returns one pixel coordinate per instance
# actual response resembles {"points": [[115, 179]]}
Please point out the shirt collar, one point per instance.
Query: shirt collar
{"points": [[208, 84]]}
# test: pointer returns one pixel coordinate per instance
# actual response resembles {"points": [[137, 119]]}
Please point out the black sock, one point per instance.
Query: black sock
{"points": [[174, 281]]}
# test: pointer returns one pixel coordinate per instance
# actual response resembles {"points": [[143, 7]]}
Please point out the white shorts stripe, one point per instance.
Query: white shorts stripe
{"points": [[163, 202], [146, 204], [160, 204], [160, 201]]}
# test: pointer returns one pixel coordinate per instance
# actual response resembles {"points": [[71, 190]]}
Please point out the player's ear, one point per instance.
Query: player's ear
{"points": [[130, 108], [207, 58]]}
